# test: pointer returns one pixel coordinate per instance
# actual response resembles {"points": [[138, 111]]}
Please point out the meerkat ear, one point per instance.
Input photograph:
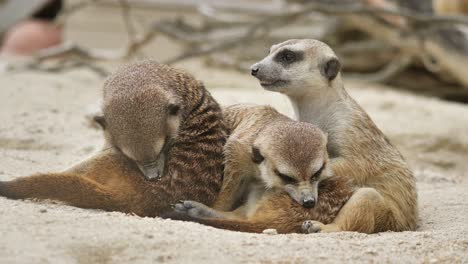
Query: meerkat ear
{"points": [[173, 109], [330, 68], [99, 119], [257, 156], [273, 47]]}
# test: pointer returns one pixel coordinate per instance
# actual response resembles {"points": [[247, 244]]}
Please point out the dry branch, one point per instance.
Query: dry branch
{"points": [[229, 26]]}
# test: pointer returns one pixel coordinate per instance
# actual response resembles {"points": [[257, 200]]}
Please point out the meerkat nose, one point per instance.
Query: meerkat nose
{"points": [[254, 70], [308, 202], [150, 172]]}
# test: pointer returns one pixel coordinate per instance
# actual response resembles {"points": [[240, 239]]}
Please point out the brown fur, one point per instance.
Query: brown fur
{"points": [[111, 181], [276, 210], [386, 198], [287, 145]]}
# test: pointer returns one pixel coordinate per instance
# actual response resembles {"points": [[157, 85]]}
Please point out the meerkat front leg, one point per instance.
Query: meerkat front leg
{"points": [[237, 171], [311, 226], [362, 213]]}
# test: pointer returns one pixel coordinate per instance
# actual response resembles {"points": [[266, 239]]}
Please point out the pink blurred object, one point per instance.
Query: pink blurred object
{"points": [[30, 36]]}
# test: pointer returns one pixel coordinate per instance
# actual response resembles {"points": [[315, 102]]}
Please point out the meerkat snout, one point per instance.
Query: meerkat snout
{"points": [[254, 70], [309, 202]]}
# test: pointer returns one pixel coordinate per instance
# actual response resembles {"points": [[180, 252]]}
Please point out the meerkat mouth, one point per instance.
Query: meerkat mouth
{"points": [[272, 83]]}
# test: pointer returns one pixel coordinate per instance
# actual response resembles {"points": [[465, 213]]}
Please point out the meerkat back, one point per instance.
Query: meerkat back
{"points": [[161, 118]]}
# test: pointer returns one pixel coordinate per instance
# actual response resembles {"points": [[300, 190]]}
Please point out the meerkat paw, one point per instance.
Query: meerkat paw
{"points": [[310, 226], [195, 209]]}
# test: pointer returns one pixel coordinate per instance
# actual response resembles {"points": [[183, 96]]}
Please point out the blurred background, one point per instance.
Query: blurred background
{"points": [[415, 45]]}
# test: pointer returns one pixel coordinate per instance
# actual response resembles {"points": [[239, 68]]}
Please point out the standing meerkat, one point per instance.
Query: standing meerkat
{"points": [[111, 181], [308, 72], [276, 169]]}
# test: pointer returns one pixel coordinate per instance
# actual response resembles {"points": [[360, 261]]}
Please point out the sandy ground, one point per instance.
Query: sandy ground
{"points": [[43, 128]]}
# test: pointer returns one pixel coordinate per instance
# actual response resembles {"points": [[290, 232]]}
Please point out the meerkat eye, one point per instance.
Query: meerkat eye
{"points": [[286, 57], [257, 156], [173, 109], [285, 178], [289, 56], [318, 173]]}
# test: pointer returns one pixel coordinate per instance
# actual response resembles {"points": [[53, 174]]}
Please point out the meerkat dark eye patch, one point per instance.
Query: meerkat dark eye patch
{"points": [[317, 174], [257, 156], [285, 178], [330, 68], [286, 56], [173, 109]]}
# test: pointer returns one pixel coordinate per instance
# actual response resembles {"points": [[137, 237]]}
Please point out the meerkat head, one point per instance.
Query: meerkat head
{"points": [[295, 65], [140, 118], [292, 156]]}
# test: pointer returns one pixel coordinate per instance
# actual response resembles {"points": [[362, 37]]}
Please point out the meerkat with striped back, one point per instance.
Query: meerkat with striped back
{"points": [[160, 123]]}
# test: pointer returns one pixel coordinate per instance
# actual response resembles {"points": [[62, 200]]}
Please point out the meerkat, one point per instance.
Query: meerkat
{"points": [[111, 181], [275, 168], [140, 117], [308, 72]]}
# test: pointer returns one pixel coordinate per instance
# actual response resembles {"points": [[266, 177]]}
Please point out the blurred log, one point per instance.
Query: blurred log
{"points": [[450, 7]]}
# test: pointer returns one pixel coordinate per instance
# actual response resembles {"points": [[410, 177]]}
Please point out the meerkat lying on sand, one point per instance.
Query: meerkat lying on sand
{"points": [[276, 168], [111, 181], [308, 72]]}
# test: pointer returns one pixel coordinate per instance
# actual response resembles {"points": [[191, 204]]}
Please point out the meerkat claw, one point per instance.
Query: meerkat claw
{"points": [[180, 208], [309, 227], [195, 209]]}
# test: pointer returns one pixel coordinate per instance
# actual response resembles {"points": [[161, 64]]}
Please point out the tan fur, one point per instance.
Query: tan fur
{"points": [[359, 151], [266, 200], [450, 7], [111, 181]]}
